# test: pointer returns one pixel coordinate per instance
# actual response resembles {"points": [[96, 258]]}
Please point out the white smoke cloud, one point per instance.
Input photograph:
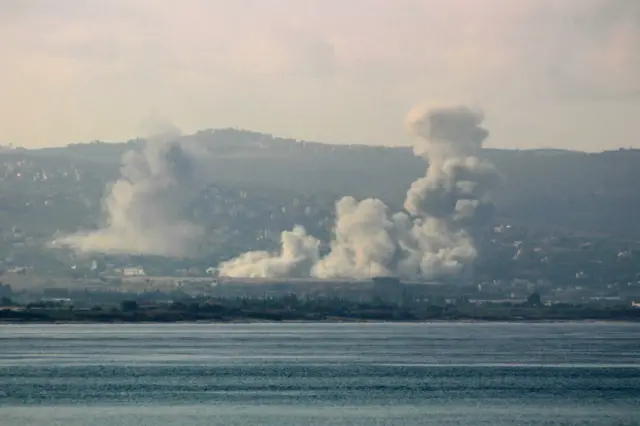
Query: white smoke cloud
{"points": [[145, 207], [364, 242], [433, 238], [298, 255]]}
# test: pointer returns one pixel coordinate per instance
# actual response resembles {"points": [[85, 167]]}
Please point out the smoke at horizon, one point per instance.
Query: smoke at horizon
{"points": [[145, 208], [433, 238]]}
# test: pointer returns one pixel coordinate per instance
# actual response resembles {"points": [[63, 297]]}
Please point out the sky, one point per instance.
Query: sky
{"points": [[548, 73]]}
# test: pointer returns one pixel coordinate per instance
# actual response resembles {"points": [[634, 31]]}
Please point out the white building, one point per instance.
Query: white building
{"points": [[133, 272]]}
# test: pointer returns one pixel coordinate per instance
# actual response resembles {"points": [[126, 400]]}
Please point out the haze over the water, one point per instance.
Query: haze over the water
{"points": [[548, 73]]}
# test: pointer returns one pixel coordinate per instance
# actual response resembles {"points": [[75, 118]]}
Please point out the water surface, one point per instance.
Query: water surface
{"points": [[320, 374]]}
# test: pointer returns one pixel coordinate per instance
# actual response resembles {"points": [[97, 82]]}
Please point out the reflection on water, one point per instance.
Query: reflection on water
{"points": [[317, 374]]}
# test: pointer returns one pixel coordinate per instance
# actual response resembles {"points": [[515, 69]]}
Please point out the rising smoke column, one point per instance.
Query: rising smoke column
{"points": [[450, 203], [145, 207], [433, 238]]}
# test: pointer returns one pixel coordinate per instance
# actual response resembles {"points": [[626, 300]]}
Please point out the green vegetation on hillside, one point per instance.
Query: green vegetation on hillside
{"points": [[293, 309]]}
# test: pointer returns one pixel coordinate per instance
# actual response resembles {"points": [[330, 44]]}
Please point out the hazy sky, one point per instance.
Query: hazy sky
{"points": [[549, 73]]}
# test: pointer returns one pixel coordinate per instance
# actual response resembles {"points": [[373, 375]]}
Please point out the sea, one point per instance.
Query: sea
{"points": [[293, 374]]}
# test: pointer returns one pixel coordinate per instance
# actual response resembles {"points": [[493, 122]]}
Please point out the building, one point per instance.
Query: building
{"points": [[133, 272]]}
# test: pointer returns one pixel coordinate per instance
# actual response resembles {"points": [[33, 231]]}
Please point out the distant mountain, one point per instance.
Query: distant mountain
{"points": [[546, 188]]}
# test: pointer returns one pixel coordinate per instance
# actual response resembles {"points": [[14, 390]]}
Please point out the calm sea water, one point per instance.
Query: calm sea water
{"points": [[320, 374]]}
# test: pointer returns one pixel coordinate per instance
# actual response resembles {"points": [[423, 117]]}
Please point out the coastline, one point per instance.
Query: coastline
{"points": [[318, 312]]}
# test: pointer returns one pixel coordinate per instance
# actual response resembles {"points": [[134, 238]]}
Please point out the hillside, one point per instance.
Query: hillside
{"points": [[574, 214], [542, 188]]}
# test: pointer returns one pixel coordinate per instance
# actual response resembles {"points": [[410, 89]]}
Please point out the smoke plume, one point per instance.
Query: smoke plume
{"points": [[145, 207], [298, 254], [435, 235]]}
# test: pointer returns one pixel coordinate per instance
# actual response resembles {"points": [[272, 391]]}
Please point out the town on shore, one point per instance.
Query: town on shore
{"points": [[388, 300]]}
